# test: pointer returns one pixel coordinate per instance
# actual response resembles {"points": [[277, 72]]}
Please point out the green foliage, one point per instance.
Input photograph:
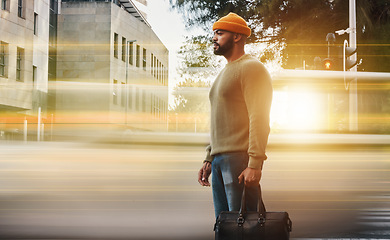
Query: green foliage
{"points": [[191, 105], [197, 68], [374, 35], [300, 24], [198, 62]]}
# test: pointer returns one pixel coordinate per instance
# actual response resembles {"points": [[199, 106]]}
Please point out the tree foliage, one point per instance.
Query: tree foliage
{"points": [[198, 63], [191, 105], [301, 25]]}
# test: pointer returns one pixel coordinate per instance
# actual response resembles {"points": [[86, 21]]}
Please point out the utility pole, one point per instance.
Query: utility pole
{"points": [[126, 76], [353, 98], [39, 125], [350, 64]]}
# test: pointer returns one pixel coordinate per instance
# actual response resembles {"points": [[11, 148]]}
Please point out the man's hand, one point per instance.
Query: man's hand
{"points": [[204, 173], [250, 176]]}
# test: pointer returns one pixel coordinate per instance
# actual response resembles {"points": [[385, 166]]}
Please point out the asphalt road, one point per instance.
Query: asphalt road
{"points": [[129, 191]]}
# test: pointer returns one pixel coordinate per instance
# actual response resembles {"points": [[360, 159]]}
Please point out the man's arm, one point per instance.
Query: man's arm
{"points": [[257, 91], [205, 171]]}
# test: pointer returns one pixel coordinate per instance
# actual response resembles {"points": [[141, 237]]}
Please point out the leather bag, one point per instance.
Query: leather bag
{"points": [[251, 225]]}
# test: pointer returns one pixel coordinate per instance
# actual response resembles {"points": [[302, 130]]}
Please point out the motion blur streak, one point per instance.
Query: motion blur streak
{"points": [[110, 161], [115, 191]]}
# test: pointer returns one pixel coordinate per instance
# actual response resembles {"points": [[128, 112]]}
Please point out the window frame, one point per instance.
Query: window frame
{"points": [[144, 58], [34, 76], [35, 24], [123, 49], [151, 63], [3, 59], [5, 5], [131, 53], [116, 45], [21, 9], [137, 61], [19, 64]]}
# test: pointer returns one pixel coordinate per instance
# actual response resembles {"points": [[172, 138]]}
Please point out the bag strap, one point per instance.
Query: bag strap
{"points": [[260, 204]]}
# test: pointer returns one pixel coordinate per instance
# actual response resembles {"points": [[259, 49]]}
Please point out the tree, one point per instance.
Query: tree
{"points": [[374, 35], [191, 105], [198, 63], [299, 24], [197, 68]]}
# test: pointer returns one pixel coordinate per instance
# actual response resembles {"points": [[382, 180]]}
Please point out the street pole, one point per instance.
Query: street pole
{"points": [[25, 130], [127, 86], [39, 125], [353, 98]]}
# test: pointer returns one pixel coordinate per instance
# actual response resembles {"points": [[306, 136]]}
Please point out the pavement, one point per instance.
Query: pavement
{"points": [[95, 190]]}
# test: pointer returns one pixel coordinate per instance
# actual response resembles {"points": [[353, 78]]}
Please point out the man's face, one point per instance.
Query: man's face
{"points": [[223, 42]]}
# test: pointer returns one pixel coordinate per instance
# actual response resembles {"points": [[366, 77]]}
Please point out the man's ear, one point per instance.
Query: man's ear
{"points": [[237, 37]]}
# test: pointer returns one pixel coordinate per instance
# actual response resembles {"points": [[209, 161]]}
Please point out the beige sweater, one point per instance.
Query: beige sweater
{"points": [[240, 105]]}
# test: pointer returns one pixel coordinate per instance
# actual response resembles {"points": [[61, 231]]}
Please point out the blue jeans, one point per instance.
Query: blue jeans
{"points": [[227, 192]]}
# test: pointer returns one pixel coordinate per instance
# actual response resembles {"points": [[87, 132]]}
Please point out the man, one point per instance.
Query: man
{"points": [[240, 104]]}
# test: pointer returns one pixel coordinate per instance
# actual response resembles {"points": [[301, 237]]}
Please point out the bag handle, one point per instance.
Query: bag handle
{"points": [[260, 204]]}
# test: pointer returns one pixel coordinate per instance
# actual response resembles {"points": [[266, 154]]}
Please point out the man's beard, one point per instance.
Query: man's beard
{"points": [[222, 50]]}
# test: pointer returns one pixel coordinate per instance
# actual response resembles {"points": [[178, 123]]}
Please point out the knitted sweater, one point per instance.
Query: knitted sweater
{"points": [[240, 105]]}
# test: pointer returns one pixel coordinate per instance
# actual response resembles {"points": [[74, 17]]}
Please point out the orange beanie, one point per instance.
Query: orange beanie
{"points": [[232, 23]]}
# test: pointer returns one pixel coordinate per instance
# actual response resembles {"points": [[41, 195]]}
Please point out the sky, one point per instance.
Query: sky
{"points": [[169, 27]]}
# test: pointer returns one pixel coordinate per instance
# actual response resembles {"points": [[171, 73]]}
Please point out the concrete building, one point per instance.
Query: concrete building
{"points": [[142, 6], [24, 63], [78, 62], [111, 65]]}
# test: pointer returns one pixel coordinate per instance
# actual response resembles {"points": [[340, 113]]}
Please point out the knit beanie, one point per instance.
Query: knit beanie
{"points": [[232, 23]]}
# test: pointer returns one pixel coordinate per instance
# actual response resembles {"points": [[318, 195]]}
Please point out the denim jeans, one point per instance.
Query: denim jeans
{"points": [[227, 192]]}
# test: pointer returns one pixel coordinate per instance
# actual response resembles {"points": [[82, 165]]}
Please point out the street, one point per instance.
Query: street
{"points": [[58, 190]]}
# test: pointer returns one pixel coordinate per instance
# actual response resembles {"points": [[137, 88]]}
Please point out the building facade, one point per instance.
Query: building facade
{"points": [[24, 52], [109, 50], [80, 63]]}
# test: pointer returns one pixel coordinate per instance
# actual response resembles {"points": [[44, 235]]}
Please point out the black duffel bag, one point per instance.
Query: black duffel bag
{"points": [[252, 225]]}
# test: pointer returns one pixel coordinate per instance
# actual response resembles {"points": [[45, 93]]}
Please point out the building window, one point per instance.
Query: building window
{"points": [[154, 66], [144, 59], [20, 9], [162, 73], [19, 64], [123, 49], [35, 24], [131, 53], [151, 63], [158, 70], [5, 5], [115, 45], [3, 59], [138, 56], [34, 76], [115, 93]]}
